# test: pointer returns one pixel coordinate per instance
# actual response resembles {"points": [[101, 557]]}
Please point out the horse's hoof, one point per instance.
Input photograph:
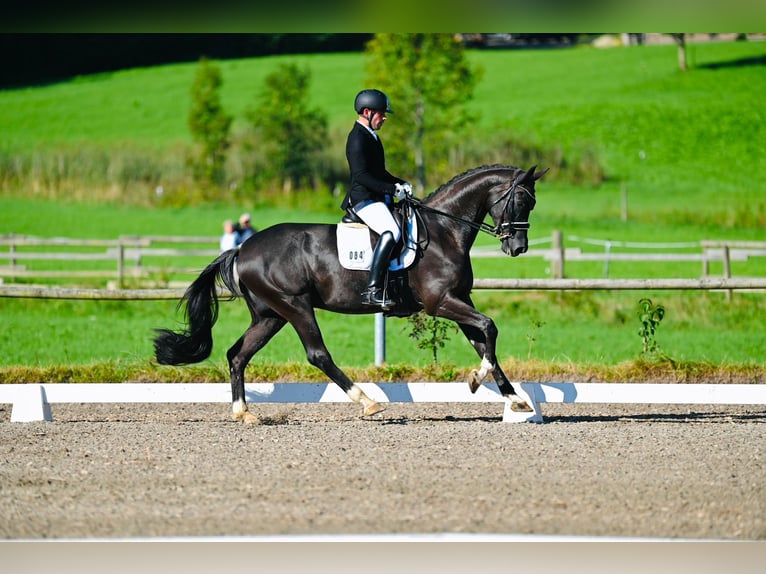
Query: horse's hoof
{"points": [[519, 406], [372, 409], [249, 418], [474, 382], [246, 417]]}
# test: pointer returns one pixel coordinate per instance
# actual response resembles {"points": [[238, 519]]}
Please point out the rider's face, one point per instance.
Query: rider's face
{"points": [[376, 118]]}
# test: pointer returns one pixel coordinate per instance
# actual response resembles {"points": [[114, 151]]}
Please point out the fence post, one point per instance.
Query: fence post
{"points": [[705, 260], [557, 265], [727, 269], [121, 263], [12, 252]]}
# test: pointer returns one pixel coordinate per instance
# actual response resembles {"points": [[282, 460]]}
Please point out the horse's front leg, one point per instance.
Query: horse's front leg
{"points": [[477, 340], [479, 329], [483, 341], [518, 404]]}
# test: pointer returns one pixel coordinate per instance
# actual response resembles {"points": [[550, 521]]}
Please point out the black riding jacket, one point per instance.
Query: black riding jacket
{"points": [[367, 163]]}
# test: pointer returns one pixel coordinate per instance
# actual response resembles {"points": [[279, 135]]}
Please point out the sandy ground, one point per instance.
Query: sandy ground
{"points": [[106, 471]]}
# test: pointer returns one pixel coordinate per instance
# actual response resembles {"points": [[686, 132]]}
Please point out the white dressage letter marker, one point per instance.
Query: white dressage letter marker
{"points": [[30, 405]]}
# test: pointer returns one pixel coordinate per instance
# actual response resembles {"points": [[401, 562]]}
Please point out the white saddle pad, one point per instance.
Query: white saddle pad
{"points": [[355, 248]]}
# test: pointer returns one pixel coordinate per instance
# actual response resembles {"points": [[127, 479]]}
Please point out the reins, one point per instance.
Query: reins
{"points": [[485, 227], [501, 231]]}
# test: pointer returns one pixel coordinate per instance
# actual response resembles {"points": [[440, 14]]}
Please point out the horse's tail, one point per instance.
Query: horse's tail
{"points": [[195, 343]]}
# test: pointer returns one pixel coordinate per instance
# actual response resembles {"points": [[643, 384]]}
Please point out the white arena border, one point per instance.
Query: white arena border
{"points": [[32, 401]]}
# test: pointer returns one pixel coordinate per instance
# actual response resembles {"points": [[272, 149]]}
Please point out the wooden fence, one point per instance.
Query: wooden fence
{"points": [[130, 256], [705, 252], [139, 258]]}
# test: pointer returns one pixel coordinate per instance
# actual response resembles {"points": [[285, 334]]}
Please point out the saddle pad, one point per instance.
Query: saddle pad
{"points": [[355, 248]]}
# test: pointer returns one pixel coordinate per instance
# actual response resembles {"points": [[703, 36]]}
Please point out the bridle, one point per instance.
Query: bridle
{"points": [[506, 229], [503, 230]]}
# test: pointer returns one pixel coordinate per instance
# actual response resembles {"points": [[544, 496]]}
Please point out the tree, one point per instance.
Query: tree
{"points": [[294, 133], [429, 81], [209, 124]]}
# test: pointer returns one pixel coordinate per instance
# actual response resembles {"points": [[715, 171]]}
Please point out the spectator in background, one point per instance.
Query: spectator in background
{"points": [[244, 229], [229, 237]]}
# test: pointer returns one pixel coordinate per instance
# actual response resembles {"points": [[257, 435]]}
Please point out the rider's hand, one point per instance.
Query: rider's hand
{"points": [[403, 190]]}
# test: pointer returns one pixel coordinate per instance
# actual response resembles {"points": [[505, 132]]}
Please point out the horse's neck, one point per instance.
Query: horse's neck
{"points": [[466, 199]]}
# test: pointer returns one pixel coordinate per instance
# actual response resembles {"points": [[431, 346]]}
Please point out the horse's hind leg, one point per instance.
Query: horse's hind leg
{"points": [[260, 332], [301, 315], [318, 355]]}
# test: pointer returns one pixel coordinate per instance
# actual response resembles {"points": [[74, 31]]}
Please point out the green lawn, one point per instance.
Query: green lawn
{"points": [[686, 148]]}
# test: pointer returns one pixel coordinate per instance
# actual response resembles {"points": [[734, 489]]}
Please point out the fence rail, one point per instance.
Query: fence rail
{"points": [[706, 251], [130, 255], [709, 283]]}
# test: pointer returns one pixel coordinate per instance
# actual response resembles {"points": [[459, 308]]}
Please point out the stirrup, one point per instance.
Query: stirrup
{"points": [[375, 296]]}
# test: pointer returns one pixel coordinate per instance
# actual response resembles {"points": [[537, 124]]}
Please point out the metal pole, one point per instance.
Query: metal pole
{"points": [[380, 339]]}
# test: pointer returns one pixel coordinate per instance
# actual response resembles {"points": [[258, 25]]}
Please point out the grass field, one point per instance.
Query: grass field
{"points": [[687, 148]]}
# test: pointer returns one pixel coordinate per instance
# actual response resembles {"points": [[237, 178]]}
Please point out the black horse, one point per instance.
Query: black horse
{"points": [[286, 271]]}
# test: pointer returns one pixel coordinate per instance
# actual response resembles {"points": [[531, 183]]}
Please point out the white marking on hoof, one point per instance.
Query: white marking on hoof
{"points": [[239, 410], [355, 393], [486, 367], [358, 396], [477, 377]]}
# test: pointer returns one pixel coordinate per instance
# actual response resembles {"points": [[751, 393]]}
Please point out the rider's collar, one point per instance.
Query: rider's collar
{"points": [[368, 128]]}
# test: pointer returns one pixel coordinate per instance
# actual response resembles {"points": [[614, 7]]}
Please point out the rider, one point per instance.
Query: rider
{"points": [[373, 188]]}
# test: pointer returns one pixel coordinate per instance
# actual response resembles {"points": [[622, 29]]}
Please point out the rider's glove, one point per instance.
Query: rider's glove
{"points": [[403, 190]]}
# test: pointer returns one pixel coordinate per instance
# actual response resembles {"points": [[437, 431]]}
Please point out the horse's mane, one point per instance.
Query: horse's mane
{"points": [[467, 173]]}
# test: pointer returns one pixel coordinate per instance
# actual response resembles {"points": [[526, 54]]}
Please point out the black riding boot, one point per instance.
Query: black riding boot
{"points": [[375, 292]]}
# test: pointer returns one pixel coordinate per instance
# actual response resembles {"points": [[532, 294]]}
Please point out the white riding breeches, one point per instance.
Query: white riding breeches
{"points": [[378, 217]]}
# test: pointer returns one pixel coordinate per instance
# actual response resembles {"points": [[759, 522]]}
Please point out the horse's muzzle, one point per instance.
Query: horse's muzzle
{"points": [[516, 245]]}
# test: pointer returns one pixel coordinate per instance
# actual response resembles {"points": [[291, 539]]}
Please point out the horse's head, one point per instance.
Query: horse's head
{"points": [[511, 208]]}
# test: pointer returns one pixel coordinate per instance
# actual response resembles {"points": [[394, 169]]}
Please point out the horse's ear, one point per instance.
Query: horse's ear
{"points": [[542, 173], [528, 175]]}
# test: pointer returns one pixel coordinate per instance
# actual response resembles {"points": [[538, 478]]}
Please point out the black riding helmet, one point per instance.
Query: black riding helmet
{"points": [[374, 100]]}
